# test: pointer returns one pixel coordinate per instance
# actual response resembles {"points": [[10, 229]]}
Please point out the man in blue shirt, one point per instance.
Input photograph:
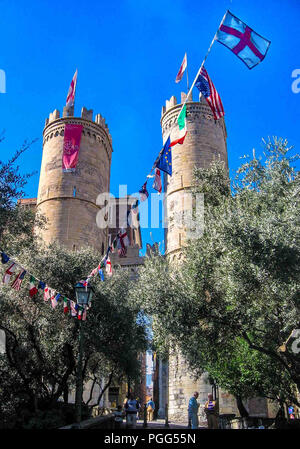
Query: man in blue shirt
{"points": [[193, 410], [150, 410], [131, 408]]}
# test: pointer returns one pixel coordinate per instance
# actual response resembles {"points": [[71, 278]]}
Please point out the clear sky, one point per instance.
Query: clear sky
{"points": [[128, 54]]}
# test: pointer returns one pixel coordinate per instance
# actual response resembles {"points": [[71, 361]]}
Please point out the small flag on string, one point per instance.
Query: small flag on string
{"points": [[4, 257], [113, 246], [71, 92], [18, 280], [207, 88], [41, 285], [74, 308], [165, 161], [32, 288], [108, 267], [8, 273], [81, 315], [143, 192], [93, 273], [46, 293], [245, 43], [55, 298], [181, 70], [101, 274], [157, 181], [134, 207], [66, 305]]}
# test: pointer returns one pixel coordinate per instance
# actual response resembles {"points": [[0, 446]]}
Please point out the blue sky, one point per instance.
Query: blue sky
{"points": [[128, 54]]}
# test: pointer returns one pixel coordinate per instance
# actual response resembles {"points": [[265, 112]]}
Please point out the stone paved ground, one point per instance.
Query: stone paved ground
{"points": [[160, 424]]}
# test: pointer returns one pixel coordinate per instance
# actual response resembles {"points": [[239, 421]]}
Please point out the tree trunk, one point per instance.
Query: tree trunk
{"points": [[241, 407], [91, 391], [105, 388]]}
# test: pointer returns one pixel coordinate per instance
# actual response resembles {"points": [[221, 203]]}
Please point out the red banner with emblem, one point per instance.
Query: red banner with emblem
{"points": [[72, 140]]}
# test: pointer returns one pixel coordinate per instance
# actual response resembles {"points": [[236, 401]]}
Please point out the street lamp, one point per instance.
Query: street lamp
{"points": [[84, 294]]}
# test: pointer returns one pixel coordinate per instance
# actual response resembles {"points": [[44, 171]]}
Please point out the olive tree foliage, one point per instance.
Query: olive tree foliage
{"points": [[233, 299], [12, 182], [40, 362], [41, 343]]}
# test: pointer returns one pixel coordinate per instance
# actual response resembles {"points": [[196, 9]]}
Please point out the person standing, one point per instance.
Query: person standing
{"points": [[131, 408], [150, 409], [193, 410], [211, 410]]}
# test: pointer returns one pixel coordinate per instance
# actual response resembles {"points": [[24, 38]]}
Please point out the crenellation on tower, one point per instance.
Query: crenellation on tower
{"points": [[170, 103], [87, 114], [53, 115], [68, 111]]}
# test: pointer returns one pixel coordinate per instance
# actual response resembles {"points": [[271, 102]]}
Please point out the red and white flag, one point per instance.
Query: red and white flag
{"points": [[181, 70], [157, 181], [46, 293], [10, 270], [108, 267], [71, 93]]}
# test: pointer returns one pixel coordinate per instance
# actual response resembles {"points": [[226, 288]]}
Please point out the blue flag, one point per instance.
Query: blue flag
{"points": [[165, 161], [245, 43], [4, 258]]}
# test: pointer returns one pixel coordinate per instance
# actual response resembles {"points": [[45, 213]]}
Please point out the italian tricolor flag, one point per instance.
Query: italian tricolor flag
{"points": [[178, 134], [32, 288]]}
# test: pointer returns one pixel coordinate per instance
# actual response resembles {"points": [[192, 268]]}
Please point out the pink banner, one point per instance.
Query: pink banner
{"points": [[71, 147]]}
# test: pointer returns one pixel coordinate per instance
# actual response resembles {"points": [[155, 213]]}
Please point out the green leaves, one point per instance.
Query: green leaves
{"points": [[238, 280]]}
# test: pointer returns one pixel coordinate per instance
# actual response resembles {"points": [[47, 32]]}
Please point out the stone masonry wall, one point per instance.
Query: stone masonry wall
{"points": [[68, 200]]}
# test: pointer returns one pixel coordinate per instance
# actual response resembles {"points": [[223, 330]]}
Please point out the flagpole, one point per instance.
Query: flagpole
{"points": [[187, 78], [208, 51]]}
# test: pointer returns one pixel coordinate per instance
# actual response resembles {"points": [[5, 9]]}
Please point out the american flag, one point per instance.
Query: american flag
{"points": [[18, 281], [207, 88]]}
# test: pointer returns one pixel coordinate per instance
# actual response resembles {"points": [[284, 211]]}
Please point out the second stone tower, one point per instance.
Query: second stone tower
{"points": [[204, 142]]}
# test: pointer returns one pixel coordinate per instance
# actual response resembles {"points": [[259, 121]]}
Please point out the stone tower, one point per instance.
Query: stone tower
{"points": [[205, 141], [68, 200]]}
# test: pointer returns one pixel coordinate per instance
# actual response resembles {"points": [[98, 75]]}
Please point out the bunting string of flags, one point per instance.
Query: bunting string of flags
{"points": [[17, 273]]}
